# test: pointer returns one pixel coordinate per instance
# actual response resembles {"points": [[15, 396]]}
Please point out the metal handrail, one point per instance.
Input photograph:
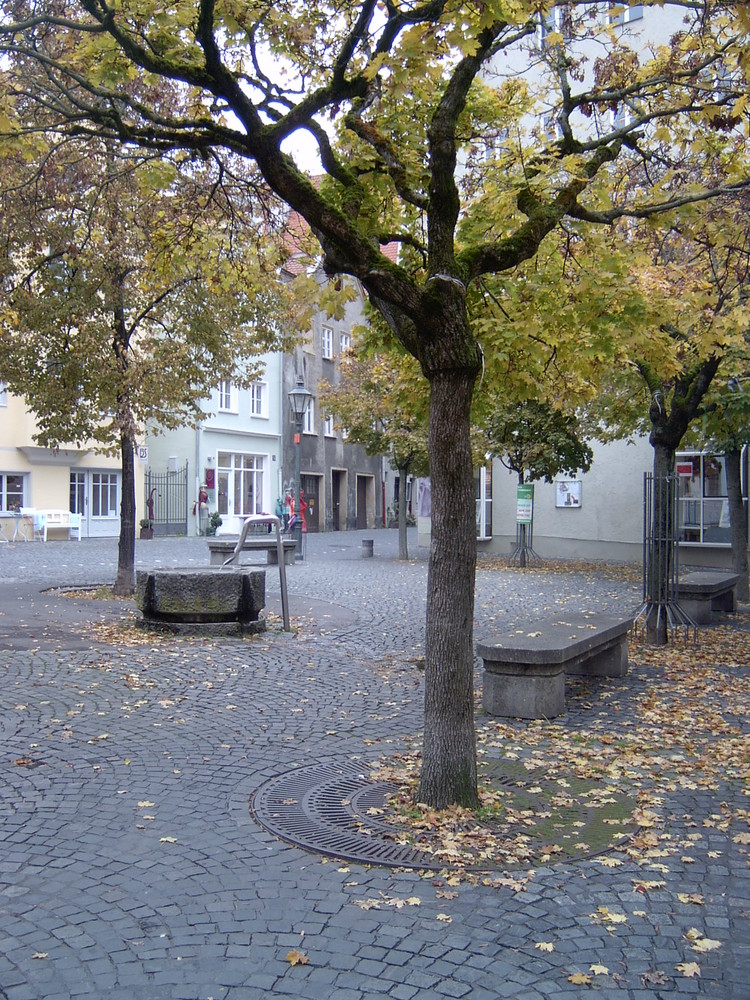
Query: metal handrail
{"points": [[234, 558]]}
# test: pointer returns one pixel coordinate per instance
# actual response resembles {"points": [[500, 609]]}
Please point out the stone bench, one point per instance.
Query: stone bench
{"points": [[524, 673], [699, 594], [220, 549]]}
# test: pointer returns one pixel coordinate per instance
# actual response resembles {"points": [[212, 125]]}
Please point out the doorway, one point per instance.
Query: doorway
{"points": [[338, 499]]}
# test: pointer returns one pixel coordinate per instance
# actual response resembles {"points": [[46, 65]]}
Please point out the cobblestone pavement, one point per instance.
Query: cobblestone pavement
{"points": [[130, 866]]}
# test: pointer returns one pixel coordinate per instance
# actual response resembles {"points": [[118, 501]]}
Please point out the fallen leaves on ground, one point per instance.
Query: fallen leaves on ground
{"points": [[295, 957]]}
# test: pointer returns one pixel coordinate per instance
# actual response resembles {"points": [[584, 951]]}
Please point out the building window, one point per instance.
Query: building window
{"points": [[557, 20], [345, 341], [78, 492], [483, 493], [3, 394], [104, 494], [11, 492], [703, 512], [326, 342], [241, 483], [308, 423], [328, 427], [258, 397], [227, 397], [624, 13]]}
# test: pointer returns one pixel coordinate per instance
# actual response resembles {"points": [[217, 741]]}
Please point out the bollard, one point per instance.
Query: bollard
{"points": [[367, 544]]}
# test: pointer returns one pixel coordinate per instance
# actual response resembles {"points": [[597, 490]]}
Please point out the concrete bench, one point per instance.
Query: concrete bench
{"points": [[524, 673], [699, 594], [220, 549]]}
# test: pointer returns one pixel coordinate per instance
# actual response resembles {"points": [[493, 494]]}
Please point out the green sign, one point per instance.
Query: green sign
{"points": [[525, 504]]}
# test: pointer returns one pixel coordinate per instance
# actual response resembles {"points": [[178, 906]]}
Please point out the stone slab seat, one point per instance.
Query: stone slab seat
{"points": [[703, 592], [524, 673], [220, 549]]}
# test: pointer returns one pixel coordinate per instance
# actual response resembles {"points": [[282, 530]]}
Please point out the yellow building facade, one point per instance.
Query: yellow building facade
{"points": [[82, 481]]}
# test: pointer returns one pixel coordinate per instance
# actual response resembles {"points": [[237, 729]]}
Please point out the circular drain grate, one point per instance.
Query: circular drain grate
{"points": [[324, 808]]}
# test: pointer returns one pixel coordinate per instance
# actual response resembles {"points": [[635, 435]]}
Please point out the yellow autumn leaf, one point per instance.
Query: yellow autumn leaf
{"points": [[444, 918], [145, 804], [689, 969], [295, 957], [167, 840], [599, 970], [544, 946], [690, 897], [40, 954], [741, 838], [706, 944], [580, 979]]}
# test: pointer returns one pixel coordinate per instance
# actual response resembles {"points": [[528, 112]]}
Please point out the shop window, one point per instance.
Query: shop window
{"points": [[703, 515], [483, 493]]}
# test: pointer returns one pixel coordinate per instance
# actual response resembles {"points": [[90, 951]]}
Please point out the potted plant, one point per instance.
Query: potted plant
{"points": [[214, 522], [147, 528]]}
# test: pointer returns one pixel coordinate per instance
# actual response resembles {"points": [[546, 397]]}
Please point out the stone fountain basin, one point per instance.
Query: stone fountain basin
{"points": [[197, 597]]}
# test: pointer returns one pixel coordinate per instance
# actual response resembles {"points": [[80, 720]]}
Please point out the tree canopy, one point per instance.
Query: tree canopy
{"points": [[130, 290]]}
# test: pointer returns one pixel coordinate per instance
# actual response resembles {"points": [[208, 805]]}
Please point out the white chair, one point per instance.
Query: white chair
{"points": [[40, 527], [74, 525], [26, 521]]}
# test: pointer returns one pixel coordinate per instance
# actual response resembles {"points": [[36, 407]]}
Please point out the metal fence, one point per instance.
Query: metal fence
{"points": [[167, 501], [660, 610]]}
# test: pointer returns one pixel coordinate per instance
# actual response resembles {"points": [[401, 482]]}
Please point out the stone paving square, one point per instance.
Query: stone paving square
{"points": [[130, 864]]}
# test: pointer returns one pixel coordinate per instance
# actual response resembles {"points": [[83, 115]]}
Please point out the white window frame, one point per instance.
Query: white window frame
{"points": [[308, 421], [326, 342], [105, 495], [329, 430], [259, 399], [17, 502], [235, 470], [227, 396], [558, 20], [626, 13], [483, 492], [345, 342], [701, 512]]}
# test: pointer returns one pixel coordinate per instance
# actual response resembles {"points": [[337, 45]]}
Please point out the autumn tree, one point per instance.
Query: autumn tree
{"points": [[692, 279], [130, 291], [380, 400], [583, 124]]}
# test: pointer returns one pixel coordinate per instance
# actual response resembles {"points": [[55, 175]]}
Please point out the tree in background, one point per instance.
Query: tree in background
{"points": [[692, 277], [536, 441], [130, 290], [393, 95], [381, 402]]}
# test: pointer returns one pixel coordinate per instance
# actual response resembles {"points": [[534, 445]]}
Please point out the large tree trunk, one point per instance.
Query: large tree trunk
{"points": [[449, 757], [125, 580], [738, 522], [403, 544]]}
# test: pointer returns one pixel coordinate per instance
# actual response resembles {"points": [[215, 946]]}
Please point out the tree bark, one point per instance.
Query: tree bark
{"points": [[403, 544], [125, 580], [738, 522], [449, 757]]}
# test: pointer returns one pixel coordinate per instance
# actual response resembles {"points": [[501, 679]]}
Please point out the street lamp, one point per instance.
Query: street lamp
{"points": [[299, 400]]}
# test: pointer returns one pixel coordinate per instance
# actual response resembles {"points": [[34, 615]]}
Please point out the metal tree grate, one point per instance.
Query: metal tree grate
{"points": [[324, 809], [661, 559]]}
